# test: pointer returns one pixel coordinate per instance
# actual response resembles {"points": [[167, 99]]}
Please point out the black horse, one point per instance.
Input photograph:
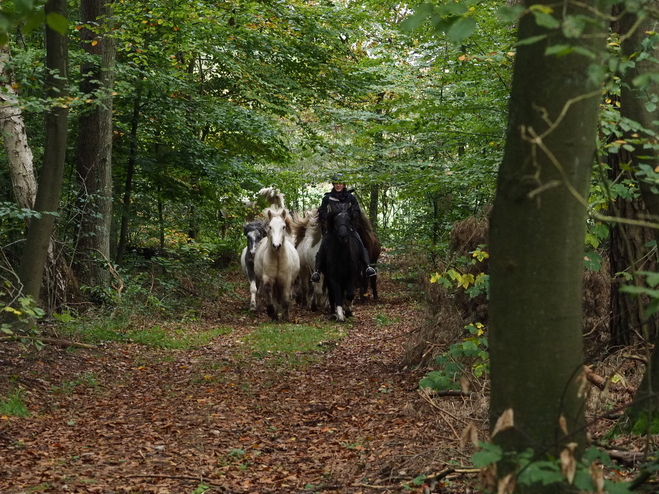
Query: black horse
{"points": [[254, 231], [340, 264]]}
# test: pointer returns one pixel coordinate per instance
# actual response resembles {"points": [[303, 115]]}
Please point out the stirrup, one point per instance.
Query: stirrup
{"points": [[315, 277], [370, 271]]}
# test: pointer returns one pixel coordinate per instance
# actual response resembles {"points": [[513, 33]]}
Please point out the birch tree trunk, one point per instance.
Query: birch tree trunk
{"points": [[14, 136], [537, 233]]}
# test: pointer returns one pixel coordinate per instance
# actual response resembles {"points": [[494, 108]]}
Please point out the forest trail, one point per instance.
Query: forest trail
{"points": [[125, 417]]}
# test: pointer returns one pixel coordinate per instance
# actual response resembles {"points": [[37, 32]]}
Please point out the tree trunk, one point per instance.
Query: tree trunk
{"points": [[128, 187], [537, 244], [636, 104], [94, 153], [35, 252], [373, 206], [17, 148]]}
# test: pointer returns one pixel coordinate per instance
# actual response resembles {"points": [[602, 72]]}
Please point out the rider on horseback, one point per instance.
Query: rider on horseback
{"points": [[339, 194]]}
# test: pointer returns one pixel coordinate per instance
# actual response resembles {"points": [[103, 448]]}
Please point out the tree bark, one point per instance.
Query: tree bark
{"points": [[537, 235], [14, 136], [635, 104], [35, 252], [94, 150]]}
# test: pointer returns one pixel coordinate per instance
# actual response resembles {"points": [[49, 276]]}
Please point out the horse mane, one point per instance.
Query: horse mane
{"points": [[299, 227], [273, 196], [309, 224], [258, 224]]}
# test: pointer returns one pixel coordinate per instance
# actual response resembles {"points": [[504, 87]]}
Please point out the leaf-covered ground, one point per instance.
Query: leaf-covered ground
{"points": [[222, 417]]}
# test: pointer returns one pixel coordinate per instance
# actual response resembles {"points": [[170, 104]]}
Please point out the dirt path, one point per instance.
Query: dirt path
{"points": [[128, 418]]}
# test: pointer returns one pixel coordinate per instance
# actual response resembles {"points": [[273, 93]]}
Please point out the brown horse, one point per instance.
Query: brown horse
{"points": [[363, 226]]}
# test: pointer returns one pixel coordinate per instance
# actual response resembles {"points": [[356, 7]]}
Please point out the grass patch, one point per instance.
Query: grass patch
{"points": [[293, 341], [179, 339], [86, 380], [13, 405], [97, 331]]}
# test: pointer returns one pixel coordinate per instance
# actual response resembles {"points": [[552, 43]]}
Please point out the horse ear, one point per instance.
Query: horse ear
{"points": [[269, 214]]}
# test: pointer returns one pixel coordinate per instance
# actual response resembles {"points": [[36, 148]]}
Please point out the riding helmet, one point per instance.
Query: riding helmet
{"points": [[337, 178]]}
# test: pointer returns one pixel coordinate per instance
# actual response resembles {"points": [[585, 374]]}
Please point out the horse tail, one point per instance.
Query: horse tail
{"points": [[369, 238]]}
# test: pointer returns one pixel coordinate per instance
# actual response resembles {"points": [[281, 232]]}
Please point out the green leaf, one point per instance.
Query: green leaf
{"points": [[510, 13], [644, 80], [419, 16], [530, 40], [57, 22], [491, 453], [545, 20], [558, 50], [461, 30], [34, 21]]}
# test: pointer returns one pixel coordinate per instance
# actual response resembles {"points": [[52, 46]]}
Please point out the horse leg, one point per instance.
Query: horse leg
{"points": [[349, 297], [317, 296], [253, 289], [374, 286], [252, 295], [267, 292]]}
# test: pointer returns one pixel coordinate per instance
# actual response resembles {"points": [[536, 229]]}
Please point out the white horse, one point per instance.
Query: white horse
{"points": [[277, 263], [308, 235]]}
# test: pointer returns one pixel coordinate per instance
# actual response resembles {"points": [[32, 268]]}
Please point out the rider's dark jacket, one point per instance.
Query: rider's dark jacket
{"points": [[333, 196]]}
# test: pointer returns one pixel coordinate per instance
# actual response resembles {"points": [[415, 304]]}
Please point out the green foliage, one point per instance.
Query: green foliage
{"points": [[649, 289], [583, 475], [19, 318], [640, 427], [459, 277], [13, 405], [471, 353]]}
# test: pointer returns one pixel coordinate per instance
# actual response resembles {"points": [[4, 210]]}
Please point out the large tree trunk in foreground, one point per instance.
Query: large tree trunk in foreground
{"points": [[636, 104], [35, 252], [94, 157], [537, 245]]}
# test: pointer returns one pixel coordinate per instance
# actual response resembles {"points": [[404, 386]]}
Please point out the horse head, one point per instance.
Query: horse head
{"points": [[339, 220], [278, 227], [254, 232]]}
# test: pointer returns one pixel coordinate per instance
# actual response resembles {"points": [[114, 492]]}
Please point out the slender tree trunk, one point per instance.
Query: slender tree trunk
{"points": [[537, 235], [35, 252], [94, 154], [128, 187], [14, 135], [373, 206]]}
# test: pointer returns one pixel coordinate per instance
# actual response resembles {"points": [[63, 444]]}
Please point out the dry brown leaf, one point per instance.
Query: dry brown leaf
{"points": [[598, 477], [505, 421], [568, 462], [507, 484], [469, 435]]}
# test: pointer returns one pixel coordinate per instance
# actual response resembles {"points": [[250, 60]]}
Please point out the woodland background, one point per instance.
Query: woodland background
{"points": [[137, 138]]}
